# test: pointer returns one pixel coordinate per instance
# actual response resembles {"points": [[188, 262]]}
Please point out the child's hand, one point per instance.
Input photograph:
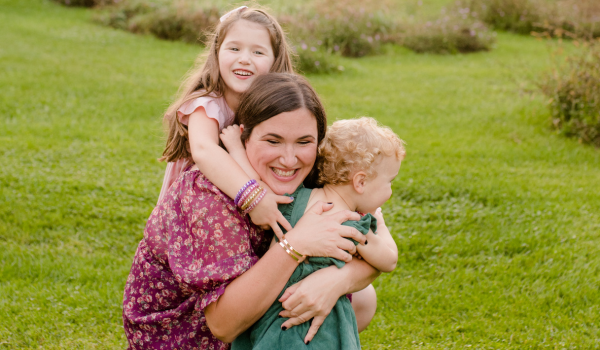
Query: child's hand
{"points": [[266, 214], [231, 137], [378, 214]]}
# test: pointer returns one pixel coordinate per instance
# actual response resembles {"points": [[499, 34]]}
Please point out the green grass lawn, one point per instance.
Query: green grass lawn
{"points": [[496, 217]]}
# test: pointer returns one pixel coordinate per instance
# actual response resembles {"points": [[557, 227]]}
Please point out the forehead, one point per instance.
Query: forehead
{"points": [[248, 32], [292, 125]]}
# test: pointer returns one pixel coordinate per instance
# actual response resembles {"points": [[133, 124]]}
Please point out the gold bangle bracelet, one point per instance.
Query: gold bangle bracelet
{"points": [[251, 198], [291, 251]]}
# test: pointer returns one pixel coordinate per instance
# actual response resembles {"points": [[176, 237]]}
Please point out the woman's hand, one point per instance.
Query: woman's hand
{"points": [[323, 235], [313, 297]]}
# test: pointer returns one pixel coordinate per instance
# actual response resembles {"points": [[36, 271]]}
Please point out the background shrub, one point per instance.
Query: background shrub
{"points": [[85, 3], [183, 20], [581, 17], [574, 91], [316, 60], [455, 31], [348, 27]]}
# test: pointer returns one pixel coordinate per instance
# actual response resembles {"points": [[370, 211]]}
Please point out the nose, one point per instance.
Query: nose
{"points": [[244, 57], [288, 158]]}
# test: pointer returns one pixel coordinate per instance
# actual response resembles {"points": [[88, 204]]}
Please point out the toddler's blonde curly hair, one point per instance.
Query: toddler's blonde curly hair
{"points": [[354, 145]]}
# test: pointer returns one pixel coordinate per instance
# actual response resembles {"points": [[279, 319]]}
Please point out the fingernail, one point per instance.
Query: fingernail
{"points": [[366, 242], [292, 198], [329, 202], [279, 316], [307, 342], [284, 328]]}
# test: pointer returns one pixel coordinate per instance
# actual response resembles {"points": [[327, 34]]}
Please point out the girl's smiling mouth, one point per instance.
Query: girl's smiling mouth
{"points": [[242, 73]]}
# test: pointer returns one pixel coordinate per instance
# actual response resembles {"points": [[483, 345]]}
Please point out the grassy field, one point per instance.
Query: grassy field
{"points": [[495, 216]]}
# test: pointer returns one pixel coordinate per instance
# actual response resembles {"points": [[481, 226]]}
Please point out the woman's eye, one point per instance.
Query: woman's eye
{"points": [[273, 142]]}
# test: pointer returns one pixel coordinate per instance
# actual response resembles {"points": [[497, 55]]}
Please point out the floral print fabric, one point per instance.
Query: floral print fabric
{"points": [[195, 243]]}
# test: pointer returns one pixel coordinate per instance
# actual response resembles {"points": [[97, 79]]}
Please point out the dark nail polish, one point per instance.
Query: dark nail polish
{"points": [[292, 198], [307, 342], [279, 316], [284, 328], [366, 242], [329, 202]]}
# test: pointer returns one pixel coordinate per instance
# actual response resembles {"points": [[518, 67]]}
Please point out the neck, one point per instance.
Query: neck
{"points": [[232, 99], [341, 194]]}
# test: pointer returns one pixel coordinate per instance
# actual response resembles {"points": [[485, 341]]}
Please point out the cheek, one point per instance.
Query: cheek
{"points": [[307, 155]]}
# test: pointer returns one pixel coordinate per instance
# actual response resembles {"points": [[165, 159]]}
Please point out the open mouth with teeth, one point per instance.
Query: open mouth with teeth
{"points": [[283, 173], [243, 73]]}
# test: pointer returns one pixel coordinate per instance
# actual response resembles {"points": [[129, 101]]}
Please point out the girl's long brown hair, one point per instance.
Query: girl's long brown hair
{"points": [[205, 78]]}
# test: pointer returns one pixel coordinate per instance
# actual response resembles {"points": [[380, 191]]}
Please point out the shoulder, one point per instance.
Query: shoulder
{"points": [[214, 106]]}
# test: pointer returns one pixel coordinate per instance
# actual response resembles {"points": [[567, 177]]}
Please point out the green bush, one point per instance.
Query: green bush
{"points": [[574, 91], [346, 27], [316, 60], [455, 31], [166, 20], [580, 17], [85, 3]]}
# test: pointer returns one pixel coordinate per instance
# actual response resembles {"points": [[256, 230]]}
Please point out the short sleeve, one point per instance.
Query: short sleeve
{"points": [[215, 108], [214, 246]]}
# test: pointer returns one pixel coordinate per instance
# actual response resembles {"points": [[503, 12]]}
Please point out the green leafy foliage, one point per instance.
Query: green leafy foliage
{"points": [[581, 17], [574, 91], [453, 32]]}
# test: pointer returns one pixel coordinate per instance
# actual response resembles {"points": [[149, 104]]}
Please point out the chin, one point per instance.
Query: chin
{"points": [[283, 188]]}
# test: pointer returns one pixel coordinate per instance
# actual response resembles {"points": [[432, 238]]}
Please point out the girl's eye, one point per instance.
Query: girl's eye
{"points": [[258, 52], [234, 49], [304, 142], [273, 142]]}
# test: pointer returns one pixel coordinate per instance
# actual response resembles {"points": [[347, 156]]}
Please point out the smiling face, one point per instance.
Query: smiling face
{"points": [[283, 149], [245, 53]]}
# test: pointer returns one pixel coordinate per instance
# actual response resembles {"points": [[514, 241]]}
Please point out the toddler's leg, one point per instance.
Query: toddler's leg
{"points": [[364, 303]]}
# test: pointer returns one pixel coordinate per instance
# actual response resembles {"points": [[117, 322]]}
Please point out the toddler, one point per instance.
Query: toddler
{"points": [[358, 161]]}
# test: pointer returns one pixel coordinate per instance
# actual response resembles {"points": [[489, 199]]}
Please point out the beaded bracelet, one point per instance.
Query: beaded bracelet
{"points": [[291, 251], [244, 197], [242, 190], [251, 198], [256, 201]]}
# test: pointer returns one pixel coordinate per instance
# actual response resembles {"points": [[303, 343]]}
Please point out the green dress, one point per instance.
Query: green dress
{"points": [[338, 331]]}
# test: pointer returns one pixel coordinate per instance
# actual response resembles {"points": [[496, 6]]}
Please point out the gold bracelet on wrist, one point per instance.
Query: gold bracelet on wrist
{"points": [[291, 251], [251, 198]]}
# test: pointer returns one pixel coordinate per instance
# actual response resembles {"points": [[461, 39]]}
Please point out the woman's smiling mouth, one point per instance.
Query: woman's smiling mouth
{"points": [[283, 173]]}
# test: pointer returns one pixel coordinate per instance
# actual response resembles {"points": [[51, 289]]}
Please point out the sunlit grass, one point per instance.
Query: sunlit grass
{"points": [[496, 217]]}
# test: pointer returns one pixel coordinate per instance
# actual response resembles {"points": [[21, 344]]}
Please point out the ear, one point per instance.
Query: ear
{"points": [[359, 181]]}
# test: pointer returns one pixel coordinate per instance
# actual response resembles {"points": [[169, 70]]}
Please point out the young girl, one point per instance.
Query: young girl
{"points": [[358, 162], [247, 43]]}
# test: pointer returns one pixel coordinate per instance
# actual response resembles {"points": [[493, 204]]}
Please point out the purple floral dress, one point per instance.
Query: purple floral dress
{"points": [[195, 243]]}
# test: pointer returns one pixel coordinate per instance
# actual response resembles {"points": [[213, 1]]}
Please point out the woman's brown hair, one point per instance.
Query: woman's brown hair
{"points": [[275, 93], [205, 78]]}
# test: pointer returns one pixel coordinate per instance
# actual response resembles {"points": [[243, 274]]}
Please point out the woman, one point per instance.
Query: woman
{"points": [[196, 280]]}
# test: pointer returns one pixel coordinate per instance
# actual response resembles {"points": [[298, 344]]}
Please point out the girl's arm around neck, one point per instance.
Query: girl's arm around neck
{"points": [[231, 137], [225, 173], [212, 160]]}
